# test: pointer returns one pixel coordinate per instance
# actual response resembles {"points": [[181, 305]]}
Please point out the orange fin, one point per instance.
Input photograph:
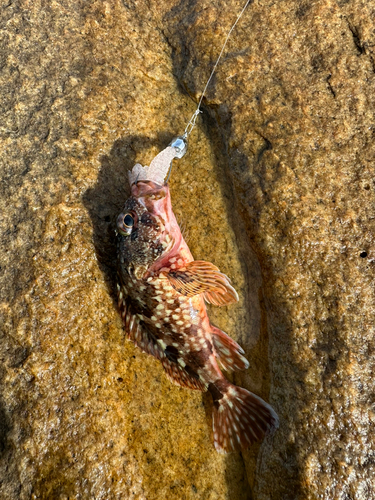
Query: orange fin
{"points": [[240, 418], [228, 353], [203, 277]]}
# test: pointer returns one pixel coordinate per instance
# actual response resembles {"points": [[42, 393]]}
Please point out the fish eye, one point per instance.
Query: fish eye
{"points": [[126, 223]]}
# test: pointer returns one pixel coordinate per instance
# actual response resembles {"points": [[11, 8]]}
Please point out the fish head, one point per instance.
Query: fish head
{"points": [[147, 229]]}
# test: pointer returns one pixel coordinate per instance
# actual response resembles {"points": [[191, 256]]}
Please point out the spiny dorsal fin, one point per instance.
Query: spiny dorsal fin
{"points": [[203, 277]]}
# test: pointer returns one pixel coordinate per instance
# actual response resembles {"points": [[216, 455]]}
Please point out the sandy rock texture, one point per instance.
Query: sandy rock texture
{"points": [[277, 189]]}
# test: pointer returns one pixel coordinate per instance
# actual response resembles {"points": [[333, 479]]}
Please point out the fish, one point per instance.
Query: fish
{"points": [[162, 293]]}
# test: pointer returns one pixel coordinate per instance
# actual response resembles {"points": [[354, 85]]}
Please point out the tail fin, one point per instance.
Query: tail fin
{"points": [[239, 417]]}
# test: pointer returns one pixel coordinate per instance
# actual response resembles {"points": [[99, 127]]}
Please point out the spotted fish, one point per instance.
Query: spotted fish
{"points": [[162, 292]]}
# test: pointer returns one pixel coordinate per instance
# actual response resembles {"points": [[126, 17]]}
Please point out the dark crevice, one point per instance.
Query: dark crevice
{"points": [[266, 147], [357, 41], [372, 62], [217, 124], [331, 89]]}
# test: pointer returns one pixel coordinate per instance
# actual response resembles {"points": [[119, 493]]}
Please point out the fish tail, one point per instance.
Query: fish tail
{"points": [[240, 418]]}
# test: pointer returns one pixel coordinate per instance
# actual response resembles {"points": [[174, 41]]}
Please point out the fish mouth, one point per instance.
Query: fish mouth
{"points": [[143, 188]]}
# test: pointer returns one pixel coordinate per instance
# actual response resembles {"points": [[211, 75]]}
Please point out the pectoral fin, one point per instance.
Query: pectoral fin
{"points": [[203, 277]]}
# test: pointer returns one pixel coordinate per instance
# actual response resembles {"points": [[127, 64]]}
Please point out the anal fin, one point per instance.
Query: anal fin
{"points": [[228, 353]]}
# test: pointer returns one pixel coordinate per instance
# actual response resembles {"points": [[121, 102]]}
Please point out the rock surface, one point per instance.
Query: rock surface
{"points": [[277, 189]]}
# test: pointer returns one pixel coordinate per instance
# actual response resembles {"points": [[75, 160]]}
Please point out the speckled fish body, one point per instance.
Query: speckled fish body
{"points": [[161, 294]]}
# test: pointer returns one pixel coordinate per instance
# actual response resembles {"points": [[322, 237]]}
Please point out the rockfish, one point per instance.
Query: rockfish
{"points": [[162, 292]]}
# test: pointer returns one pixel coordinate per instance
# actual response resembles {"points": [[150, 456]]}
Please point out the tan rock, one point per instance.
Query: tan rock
{"points": [[277, 190]]}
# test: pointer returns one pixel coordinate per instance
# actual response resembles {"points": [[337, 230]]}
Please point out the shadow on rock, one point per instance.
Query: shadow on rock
{"points": [[106, 199], [275, 318], [9, 473], [5, 428]]}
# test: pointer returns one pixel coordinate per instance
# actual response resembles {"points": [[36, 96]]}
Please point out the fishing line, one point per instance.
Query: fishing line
{"points": [[193, 119], [161, 166]]}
